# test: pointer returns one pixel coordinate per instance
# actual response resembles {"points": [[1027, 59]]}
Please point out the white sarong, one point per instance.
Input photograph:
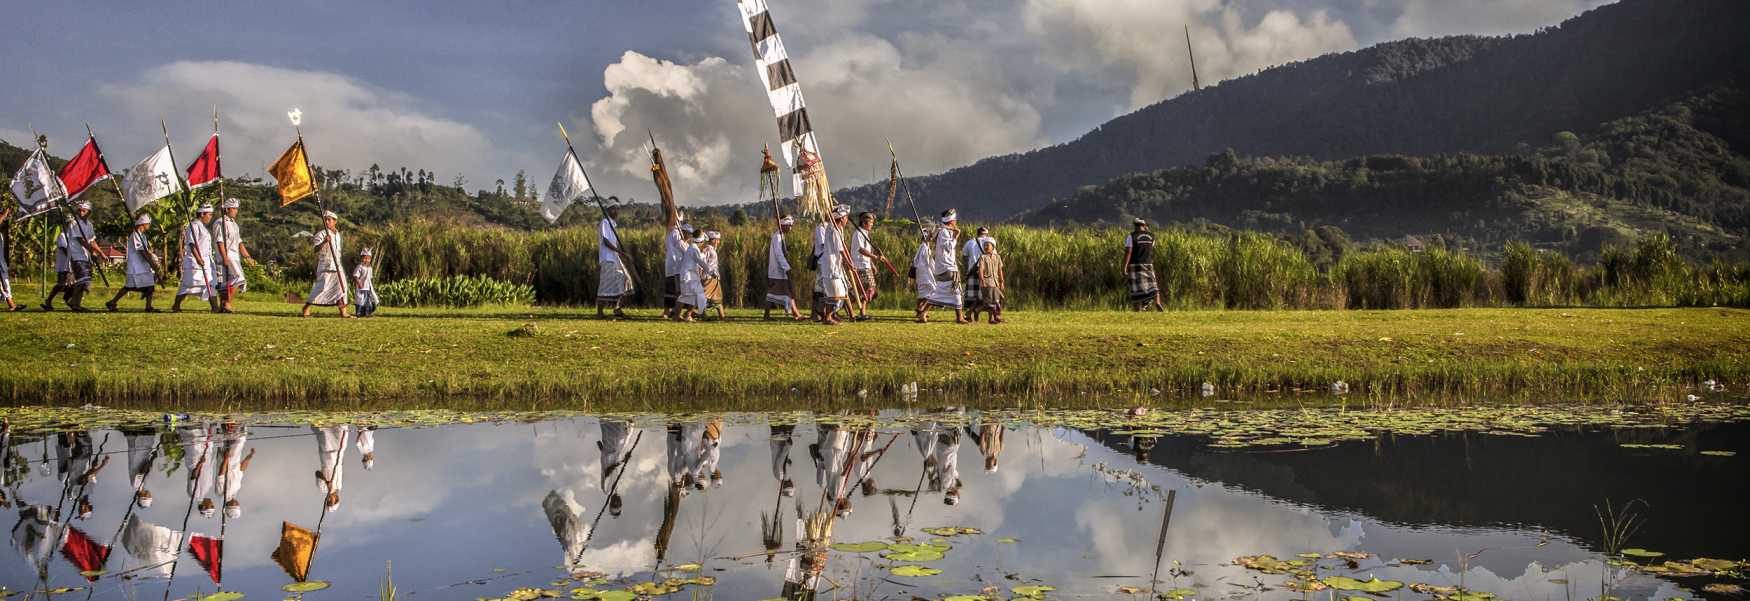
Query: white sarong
{"points": [[197, 275], [613, 282]]}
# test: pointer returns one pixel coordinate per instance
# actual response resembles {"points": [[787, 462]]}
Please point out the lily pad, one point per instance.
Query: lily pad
{"points": [[305, 587], [1309, 555], [1720, 453], [966, 598], [1375, 585], [615, 596], [952, 531], [914, 571], [1178, 594], [223, 596], [1639, 552], [1007, 540], [867, 547], [687, 567], [1033, 591], [1716, 565], [915, 553]]}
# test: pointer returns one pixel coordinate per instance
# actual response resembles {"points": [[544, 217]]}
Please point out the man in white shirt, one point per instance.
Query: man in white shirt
{"points": [[945, 270], [81, 246], [329, 288], [197, 261], [830, 284], [142, 266], [614, 280], [863, 258], [778, 272], [674, 248], [229, 276]]}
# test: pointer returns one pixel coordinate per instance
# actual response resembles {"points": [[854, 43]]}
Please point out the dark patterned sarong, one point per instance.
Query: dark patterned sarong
{"points": [[973, 299], [1143, 286], [671, 290]]}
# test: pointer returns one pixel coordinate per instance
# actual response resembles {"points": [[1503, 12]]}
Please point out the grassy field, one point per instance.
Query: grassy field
{"points": [[266, 357]]}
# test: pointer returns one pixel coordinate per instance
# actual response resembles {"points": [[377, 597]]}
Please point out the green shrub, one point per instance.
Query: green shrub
{"points": [[454, 291]]}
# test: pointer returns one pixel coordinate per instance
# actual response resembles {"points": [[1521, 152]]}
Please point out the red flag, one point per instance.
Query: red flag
{"points": [[205, 170], [208, 551], [84, 169], [85, 554]]}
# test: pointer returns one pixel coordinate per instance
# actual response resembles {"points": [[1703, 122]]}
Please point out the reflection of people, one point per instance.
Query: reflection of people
{"points": [[615, 444], [330, 451], [989, 437], [566, 516], [781, 441], [201, 455], [142, 451], [367, 445], [948, 465], [683, 453], [710, 451], [233, 462]]}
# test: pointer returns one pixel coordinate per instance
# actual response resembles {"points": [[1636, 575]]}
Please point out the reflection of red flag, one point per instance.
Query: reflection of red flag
{"points": [[84, 169], [209, 552], [297, 546], [205, 170], [84, 553]]}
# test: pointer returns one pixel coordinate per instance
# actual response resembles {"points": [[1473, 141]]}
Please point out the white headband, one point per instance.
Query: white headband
{"points": [[205, 208], [143, 219], [330, 215], [231, 203], [713, 235], [787, 220], [951, 216]]}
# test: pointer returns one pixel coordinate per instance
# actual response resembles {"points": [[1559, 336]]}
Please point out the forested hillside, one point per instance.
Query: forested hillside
{"points": [[1681, 170], [1413, 97]]}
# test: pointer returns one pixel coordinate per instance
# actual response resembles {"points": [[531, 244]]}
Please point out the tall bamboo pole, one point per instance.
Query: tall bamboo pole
{"points": [[316, 191], [188, 201], [625, 256]]}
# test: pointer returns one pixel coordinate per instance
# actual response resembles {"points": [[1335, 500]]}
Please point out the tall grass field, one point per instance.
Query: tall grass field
{"points": [[1080, 269]]}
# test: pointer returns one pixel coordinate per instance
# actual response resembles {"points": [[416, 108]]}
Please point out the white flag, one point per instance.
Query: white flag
{"points": [[36, 186], [569, 184], [152, 178]]}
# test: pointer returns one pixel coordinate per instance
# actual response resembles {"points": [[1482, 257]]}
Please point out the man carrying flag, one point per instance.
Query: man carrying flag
{"points": [[232, 253], [329, 289], [143, 266], [197, 261], [81, 241], [614, 283]]}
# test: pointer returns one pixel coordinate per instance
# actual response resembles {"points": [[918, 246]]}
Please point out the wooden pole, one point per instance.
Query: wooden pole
{"points": [[1161, 540], [188, 201], [224, 230], [112, 182]]}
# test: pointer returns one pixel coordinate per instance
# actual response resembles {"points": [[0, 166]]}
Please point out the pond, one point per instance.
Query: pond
{"points": [[1318, 504]]}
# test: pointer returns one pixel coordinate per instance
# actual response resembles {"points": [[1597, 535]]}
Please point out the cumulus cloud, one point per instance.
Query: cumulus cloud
{"points": [[1141, 42], [1429, 18], [348, 123]]}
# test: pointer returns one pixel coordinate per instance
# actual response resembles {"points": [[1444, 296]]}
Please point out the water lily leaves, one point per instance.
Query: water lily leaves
{"points": [[93, 573], [1309, 555], [1663, 447], [1007, 540], [1268, 564], [1720, 453], [653, 589], [1375, 585], [1722, 588], [914, 571], [65, 589], [615, 596], [305, 587], [1032, 591], [1351, 555], [1714, 565], [1638, 552], [962, 598], [952, 531], [1178, 594], [222, 596], [1306, 585], [529, 594], [583, 593], [865, 547], [914, 553], [686, 567]]}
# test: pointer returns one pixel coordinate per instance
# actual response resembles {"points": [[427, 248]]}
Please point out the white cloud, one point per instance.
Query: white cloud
{"points": [[1141, 41], [348, 123], [1429, 18]]}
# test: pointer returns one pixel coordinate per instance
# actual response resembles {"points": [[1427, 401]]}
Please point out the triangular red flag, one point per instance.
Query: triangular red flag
{"points": [[209, 552], [85, 554], [84, 169], [205, 170]]}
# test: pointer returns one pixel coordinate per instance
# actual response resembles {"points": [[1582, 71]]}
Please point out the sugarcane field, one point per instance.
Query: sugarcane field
{"points": [[1281, 300]]}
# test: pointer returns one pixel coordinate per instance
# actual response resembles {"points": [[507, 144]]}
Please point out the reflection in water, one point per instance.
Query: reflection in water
{"points": [[480, 509]]}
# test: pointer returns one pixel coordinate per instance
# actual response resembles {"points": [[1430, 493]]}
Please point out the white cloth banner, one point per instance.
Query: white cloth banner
{"points": [[152, 178], [569, 185], [36, 186]]}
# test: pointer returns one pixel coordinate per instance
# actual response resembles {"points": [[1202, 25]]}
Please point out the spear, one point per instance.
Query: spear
{"points": [[612, 227]]}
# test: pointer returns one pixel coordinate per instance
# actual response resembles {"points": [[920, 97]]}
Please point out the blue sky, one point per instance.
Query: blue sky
{"points": [[473, 88]]}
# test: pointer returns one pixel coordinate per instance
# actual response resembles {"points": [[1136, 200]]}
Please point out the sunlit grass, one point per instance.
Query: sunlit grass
{"points": [[267, 358]]}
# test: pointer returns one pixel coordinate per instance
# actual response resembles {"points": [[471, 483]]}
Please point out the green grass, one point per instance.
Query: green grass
{"points": [[266, 358]]}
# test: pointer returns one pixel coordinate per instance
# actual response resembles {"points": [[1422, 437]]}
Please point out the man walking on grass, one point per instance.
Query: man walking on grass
{"points": [[1139, 268], [142, 266], [830, 286], [329, 289], [778, 272], [674, 248], [232, 254], [81, 246], [863, 257], [613, 281], [946, 289], [197, 261]]}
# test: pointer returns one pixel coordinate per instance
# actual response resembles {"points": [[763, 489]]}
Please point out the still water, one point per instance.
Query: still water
{"points": [[736, 503]]}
